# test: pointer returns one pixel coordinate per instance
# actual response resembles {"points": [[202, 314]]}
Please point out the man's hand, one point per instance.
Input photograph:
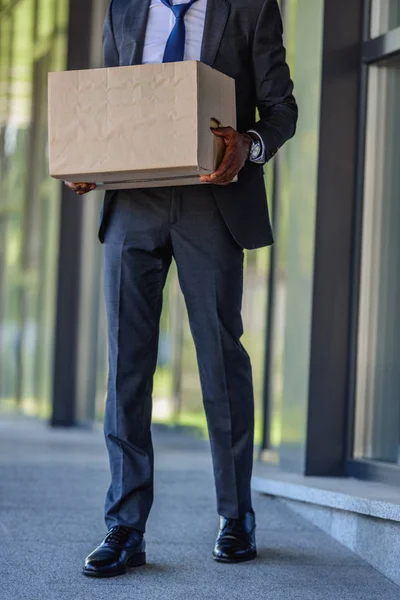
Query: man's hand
{"points": [[237, 149], [81, 188]]}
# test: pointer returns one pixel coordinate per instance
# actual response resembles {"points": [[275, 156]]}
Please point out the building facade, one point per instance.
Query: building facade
{"points": [[320, 308]]}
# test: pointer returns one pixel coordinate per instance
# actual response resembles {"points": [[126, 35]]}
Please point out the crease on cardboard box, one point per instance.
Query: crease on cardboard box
{"points": [[90, 136]]}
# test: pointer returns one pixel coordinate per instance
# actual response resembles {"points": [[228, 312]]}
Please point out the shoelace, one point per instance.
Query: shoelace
{"points": [[118, 534], [233, 527]]}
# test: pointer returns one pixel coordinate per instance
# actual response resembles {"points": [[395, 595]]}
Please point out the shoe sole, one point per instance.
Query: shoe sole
{"points": [[136, 561], [235, 560]]}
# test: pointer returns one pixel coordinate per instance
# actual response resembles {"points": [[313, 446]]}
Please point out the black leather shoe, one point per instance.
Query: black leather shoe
{"points": [[122, 548], [236, 541]]}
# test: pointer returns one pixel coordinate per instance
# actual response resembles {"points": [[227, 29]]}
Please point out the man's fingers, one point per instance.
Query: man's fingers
{"points": [[84, 186], [226, 172], [233, 161], [223, 131], [220, 173], [215, 177], [227, 165], [220, 181], [226, 177], [81, 188]]}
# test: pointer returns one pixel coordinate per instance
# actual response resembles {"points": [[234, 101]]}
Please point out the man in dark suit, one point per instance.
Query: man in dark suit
{"points": [[205, 229]]}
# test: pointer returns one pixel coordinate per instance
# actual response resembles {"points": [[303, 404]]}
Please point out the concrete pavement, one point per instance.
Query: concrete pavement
{"points": [[52, 487]]}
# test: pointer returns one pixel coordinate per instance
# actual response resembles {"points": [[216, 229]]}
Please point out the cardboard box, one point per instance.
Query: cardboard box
{"points": [[138, 126]]}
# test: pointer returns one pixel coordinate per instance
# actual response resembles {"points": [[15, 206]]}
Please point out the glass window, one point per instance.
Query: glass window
{"points": [[385, 16], [254, 318], [295, 228], [32, 42], [378, 373]]}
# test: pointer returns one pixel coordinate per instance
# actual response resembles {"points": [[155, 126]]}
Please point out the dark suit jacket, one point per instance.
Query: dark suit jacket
{"points": [[243, 39]]}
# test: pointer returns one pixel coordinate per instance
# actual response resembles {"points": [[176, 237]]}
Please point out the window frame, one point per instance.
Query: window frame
{"points": [[374, 51]]}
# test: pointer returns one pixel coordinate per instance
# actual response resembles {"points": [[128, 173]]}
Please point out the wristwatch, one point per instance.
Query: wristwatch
{"points": [[256, 148]]}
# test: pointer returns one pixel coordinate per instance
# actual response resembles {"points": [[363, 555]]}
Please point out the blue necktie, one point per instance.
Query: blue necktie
{"points": [[175, 48]]}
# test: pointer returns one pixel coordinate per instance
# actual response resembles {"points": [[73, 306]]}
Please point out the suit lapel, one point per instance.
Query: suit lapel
{"points": [[134, 29], [216, 19]]}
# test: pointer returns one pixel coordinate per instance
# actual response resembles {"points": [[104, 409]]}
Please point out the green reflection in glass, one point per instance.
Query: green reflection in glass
{"points": [[32, 42], [385, 16], [297, 189], [377, 434]]}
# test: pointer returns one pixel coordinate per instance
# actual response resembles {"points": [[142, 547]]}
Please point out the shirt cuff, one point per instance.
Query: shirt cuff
{"points": [[262, 158]]}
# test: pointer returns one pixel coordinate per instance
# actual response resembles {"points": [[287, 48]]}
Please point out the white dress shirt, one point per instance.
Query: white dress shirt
{"points": [[161, 22]]}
